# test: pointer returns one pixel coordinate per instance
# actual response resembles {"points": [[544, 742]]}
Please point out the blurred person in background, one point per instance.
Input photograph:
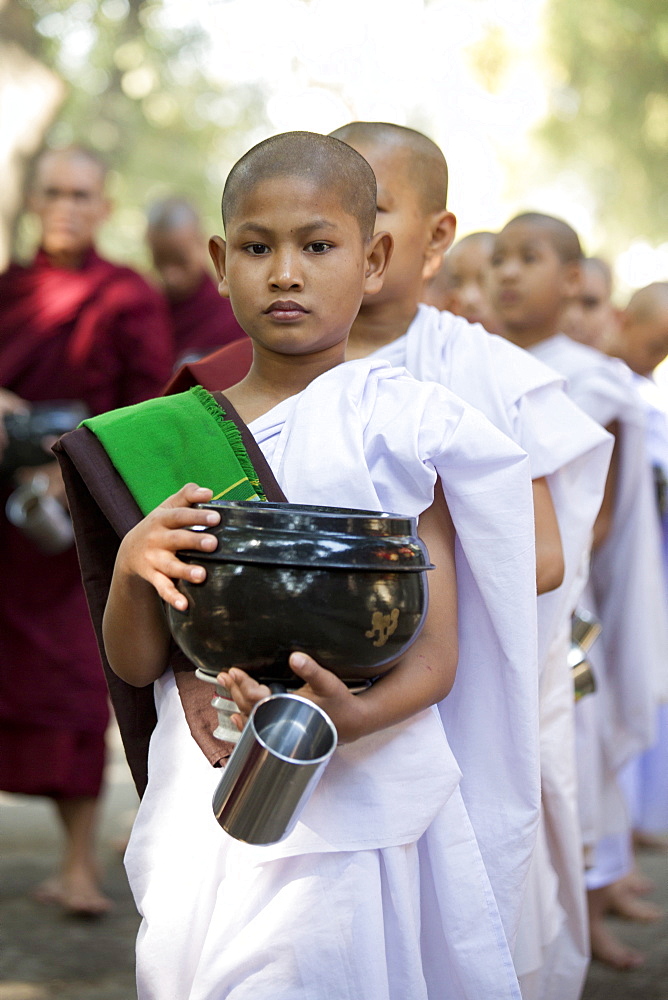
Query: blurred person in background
{"points": [[460, 284], [641, 340], [535, 273], [202, 321], [73, 327], [590, 316]]}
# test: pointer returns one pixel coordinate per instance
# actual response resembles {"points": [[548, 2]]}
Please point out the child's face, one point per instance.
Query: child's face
{"points": [[529, 284], [401, 213], [590, 317], [469, 269], [645, 340], [294, 265]]}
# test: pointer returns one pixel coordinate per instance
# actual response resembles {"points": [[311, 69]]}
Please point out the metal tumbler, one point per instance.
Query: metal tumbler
{"points": [[274, 769]]}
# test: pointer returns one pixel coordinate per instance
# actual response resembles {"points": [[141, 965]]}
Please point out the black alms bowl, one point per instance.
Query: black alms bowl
{"points": [[348, 587]]}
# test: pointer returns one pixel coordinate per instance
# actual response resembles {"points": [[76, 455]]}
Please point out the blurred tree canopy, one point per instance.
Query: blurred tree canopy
{"points": [[137, 90], [610, 108]]}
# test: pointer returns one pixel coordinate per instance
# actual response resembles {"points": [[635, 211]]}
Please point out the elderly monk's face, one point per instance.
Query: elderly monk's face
{"points": [[68, 198]]}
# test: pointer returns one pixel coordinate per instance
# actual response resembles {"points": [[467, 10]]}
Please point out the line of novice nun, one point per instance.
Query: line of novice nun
{"points": [[471, 834]]}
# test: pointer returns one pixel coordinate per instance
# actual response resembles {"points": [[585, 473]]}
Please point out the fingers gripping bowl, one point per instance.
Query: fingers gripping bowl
{"points": [[346, 586]]}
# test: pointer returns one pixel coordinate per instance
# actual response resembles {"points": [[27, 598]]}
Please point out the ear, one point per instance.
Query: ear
{"points": [[442, 228], [571, 279], [378, 254], [217, 250]]}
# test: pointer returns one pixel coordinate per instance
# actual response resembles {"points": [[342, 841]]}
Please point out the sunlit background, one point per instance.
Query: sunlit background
{"points": [[552, 105]]}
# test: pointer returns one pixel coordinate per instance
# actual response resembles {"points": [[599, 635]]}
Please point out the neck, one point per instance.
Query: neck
{"points": [[378, 324], [67, 260], [527, 338], [275, 377]]}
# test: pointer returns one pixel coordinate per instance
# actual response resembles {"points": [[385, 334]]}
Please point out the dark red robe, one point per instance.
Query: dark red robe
{"points": [[218, 371], [203, 322], [99, 334]]}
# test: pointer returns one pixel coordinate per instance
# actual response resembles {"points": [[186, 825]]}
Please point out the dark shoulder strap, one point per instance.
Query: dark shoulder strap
{"points": [[102, 512], [272, 490]]}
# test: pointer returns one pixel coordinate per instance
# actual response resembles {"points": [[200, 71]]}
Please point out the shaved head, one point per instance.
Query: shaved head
{"points": [[563, 237], [602, 268], [69, 154], [423, 161], [481, 237], [648, 302], [172, 213], [320, 160]]}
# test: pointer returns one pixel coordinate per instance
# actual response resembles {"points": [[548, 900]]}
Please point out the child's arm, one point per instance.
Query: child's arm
{"points": [[549, 550], [606, 514], [422, 677], [136, 635]]}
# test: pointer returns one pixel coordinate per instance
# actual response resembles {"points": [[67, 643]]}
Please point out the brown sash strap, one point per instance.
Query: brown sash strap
{"points": [[103, 511]]}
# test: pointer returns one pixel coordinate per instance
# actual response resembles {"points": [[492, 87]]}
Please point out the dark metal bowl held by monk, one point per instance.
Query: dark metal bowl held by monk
{"points": [[348, 587]]}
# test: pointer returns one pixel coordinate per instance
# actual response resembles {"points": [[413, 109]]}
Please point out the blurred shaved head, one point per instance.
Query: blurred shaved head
{"points": [[563, 237], [419, 157]]}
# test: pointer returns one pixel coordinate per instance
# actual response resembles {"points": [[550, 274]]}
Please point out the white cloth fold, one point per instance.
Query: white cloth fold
{"points": [[380, 891]]}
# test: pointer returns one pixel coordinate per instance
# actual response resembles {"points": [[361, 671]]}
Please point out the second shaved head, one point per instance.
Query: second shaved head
{"points": [[421, 159], [320, 160]]}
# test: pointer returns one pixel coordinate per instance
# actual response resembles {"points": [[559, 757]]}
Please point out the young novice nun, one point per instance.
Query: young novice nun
{"points": [[460, 284], [535, 270], [380, 890], [569, 456], [641, 340], [527, 402]]}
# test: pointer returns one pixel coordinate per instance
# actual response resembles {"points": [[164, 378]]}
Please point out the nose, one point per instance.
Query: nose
{"points": [[286, 273], [507, 269]]}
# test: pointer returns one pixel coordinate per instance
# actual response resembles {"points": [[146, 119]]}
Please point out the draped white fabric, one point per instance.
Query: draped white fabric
{"points": [[380, 891], [526, 399], [626, 591]]}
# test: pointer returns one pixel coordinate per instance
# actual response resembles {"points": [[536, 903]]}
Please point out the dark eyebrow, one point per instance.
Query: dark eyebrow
{"points": [[254, 228]]}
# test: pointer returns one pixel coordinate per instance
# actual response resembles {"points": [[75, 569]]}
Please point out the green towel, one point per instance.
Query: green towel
{"points": [[160, 445]]}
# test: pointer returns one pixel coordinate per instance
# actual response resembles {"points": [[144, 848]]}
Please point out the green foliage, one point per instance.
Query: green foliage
{"points": [[610, 108], [139, 93]]}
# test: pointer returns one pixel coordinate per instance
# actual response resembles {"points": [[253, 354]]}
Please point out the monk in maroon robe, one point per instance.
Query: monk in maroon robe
{"points": [[72, 327], [201, 320]]}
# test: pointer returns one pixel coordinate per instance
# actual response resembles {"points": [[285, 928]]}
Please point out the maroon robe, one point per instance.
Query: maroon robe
{"points": [[218, 371], [98, 334], [203, 322]]}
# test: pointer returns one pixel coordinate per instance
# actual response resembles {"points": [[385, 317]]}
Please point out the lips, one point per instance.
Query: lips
{"points": [[508, 297], [286, 310]]}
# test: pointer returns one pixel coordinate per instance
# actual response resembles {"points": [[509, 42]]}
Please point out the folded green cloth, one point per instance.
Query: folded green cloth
{"points": [[160, 445]]}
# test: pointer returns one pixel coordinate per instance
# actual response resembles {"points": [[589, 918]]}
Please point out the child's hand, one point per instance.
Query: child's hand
{"points": [[322, 687], [149, 549]]}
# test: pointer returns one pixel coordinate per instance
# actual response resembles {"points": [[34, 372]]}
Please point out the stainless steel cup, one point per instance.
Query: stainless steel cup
{"points": [[40, 517], [274, 769], [585, 629]]}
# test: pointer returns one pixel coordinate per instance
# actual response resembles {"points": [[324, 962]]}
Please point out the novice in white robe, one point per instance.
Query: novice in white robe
{"points": [[380, 891], [646, 778], [626, 592], [526, 400]]}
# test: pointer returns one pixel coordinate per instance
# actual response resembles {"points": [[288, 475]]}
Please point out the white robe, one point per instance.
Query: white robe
{"points": [[526, 399], [625, 591], [380, 890], [646, 778]]}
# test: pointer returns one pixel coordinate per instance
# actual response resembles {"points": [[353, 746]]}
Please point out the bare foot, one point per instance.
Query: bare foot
{"points": [[649, 841], [606, 948], [625, 903], [49, 891], [77, 893]]}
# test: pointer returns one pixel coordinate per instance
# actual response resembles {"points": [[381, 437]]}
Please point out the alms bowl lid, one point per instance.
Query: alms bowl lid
{"points": [[284, 534]]}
